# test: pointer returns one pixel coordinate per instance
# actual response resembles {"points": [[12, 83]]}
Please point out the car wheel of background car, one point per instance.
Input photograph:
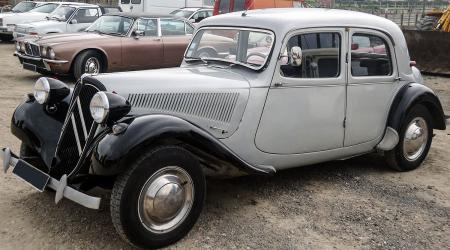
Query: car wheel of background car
{"points": [[416, 134], [158, 200], [207, 52], [89, 61]]}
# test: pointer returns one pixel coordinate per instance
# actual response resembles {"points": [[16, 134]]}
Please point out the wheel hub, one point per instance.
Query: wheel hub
{"points": [[92, 66], [166, 199], [416, 138]]}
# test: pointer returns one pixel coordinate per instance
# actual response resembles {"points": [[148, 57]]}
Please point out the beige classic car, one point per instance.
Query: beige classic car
{"points": [[115, 42]]}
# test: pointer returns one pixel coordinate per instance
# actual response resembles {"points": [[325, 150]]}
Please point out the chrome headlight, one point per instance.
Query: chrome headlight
{"points": [[22, 47], [51, 53], [44, 51], [41, 90], [17, 46], [99, 107]]}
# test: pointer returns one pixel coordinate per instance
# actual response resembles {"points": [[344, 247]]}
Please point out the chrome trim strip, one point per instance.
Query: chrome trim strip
{"points": [[83, 125], [75, 130], [55, 61]]}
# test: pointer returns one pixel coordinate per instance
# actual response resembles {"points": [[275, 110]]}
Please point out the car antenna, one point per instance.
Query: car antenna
{"points": [[245, 12]]}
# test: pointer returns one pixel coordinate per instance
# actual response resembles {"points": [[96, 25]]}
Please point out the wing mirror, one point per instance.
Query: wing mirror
{"points": [[73, 21], [295, 56], [138, 33]]}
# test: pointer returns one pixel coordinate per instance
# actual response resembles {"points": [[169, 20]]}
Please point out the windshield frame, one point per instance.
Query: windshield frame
{"points": [[127, 34], [212, 59]]}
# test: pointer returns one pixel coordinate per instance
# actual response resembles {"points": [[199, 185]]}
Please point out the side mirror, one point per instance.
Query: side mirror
{"points": [[138, 33], [74, 21], [295, 56]]}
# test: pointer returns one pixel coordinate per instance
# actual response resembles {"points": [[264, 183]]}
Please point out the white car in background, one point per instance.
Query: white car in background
{"points": [[21, 7], [65, 19], [194, 15], [8, 22]]}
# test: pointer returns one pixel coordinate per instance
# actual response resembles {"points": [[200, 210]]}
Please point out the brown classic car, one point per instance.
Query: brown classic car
{"points": [[115, 42]]}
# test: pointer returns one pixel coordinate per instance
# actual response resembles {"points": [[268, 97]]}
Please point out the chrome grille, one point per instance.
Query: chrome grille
{"points": [[212, 106], [79, 128], [32, 49]]}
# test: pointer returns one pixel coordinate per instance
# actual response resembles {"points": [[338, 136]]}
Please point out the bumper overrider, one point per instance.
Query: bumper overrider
{"points": [[40, 180], [38, 64]]}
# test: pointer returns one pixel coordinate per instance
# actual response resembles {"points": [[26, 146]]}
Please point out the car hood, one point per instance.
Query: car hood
{"points": [[27, 17], [41, 24], [57, 39], [189, 78]]}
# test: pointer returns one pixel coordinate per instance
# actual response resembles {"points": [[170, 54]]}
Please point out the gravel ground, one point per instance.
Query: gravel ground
{"points": [[357, 203]]}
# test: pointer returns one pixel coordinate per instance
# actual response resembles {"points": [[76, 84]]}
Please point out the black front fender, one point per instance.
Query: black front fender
{"points": [[410, 95], [113, 152]]}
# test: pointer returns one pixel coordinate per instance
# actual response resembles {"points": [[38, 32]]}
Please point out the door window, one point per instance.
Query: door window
{"points": [[149, 26], [86, 15], [125, 1], [135, 1], [201, 15], [171, 27], [370, 56], [320, 56]]}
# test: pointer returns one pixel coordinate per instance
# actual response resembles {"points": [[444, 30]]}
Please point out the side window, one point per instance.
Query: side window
{"points": [[149, 26], [135, 1], [170, 27], [200, 16], [320, 56], [86, 15], [125, 1], [370, 56]]}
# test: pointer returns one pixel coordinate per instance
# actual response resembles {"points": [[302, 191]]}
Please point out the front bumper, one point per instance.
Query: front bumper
{"points": [[39, 64], [40, 180]]}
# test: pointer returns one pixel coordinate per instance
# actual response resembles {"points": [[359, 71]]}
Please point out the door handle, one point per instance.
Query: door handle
{"points": [[397, 79], [278, 84]]}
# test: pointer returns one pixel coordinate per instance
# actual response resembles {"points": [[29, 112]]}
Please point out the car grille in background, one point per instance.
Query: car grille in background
{"points": [[213, 106], [32, 49], [79, 128]]}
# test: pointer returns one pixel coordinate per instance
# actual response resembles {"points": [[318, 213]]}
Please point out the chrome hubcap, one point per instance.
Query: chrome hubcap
{"points": [[166, 199], [92, 66], [416, 138]]}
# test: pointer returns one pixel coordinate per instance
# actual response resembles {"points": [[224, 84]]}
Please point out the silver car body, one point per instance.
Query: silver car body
{"points": [[271, 120], [53, 26]]}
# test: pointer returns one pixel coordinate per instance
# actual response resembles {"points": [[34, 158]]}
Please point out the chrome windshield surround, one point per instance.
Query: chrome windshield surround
{"points": [[262, 66]]}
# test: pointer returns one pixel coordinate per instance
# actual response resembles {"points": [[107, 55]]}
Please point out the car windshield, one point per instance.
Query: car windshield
{"points": [[111, 25], [182, 13], [46, 8], [23, 7], [250, 48], [62, 13]]}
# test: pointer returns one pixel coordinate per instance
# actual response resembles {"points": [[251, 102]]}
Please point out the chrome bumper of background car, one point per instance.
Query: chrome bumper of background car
{"points": [[45, 61], [60, 186]]}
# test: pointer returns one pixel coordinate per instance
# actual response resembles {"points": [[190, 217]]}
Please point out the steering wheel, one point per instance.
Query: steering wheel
{"points": [[259, 54]]}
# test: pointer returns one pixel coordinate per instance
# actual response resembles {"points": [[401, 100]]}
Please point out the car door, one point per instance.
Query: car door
{"points": [[176, 35], [145, 51], [372, 75], [82, 19], [305, 106]]}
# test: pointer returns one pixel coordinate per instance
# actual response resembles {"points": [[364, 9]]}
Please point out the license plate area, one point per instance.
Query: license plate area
{"points": [[29, 66], [33, 176]]}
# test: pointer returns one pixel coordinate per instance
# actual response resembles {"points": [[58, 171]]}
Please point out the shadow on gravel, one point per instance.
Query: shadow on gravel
{"points": [[346, 202]]}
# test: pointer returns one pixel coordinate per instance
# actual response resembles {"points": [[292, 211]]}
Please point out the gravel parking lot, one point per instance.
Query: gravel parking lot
{"points": [[356, 203]]}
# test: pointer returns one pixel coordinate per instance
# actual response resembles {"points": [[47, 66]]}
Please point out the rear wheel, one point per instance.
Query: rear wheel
{"points": [[90, 62], [158, 200], [416, 135]]}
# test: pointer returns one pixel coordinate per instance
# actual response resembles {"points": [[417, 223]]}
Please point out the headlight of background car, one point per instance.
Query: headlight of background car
{"points": [[17, 46], [49, 90], [51, 53], [44, 51], [22, 47], [108, 107]]}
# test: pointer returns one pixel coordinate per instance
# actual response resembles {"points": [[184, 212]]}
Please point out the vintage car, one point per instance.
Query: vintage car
{"points": [[115, 42], [8, 22], [67, 19], [194, 15], [315, 94], [24, 6]]}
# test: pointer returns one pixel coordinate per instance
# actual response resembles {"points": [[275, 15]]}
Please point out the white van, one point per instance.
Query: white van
{"points": [[161, 6]]}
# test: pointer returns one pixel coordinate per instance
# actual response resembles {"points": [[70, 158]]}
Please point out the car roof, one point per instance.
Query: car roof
{"points": [[195, 8], [136, 15], [282, 20]]}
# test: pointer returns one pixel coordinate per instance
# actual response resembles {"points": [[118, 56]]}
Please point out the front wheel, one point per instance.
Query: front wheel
{"points": [[416, 135], [90, 62], [159, 199]]}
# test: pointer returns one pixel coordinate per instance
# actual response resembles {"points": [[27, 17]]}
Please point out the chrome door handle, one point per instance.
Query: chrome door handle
{"points": [[278, 84], [397, 79]]}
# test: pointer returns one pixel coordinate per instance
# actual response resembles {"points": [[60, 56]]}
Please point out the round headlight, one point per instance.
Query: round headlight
{"points": [[99, 107], [44, 51], [51, 53], [41, 90], [22, 47]]}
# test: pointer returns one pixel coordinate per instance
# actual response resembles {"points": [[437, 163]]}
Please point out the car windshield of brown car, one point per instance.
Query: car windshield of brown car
{"points": [[111, 25], [249, 48], [62, 14]]}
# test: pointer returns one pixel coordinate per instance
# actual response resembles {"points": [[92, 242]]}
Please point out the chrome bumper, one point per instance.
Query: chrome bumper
{"points": [[60, 186], [39, 59]]}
